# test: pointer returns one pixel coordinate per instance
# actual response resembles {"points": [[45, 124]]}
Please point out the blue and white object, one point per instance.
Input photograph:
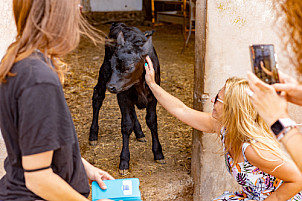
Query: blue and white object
{"points": [[118, 190]]}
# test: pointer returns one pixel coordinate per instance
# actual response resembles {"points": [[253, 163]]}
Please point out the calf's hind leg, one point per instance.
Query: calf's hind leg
{"points": [[140, 136]]}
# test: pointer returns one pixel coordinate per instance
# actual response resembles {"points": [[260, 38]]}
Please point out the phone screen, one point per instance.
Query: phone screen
{"points": [[264, 63]]}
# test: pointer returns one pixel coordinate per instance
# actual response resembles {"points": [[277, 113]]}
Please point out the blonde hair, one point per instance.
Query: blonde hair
{"points": [[243, 123], [51, 26]]}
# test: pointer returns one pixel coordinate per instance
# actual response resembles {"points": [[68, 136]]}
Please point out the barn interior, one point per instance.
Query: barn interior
{"points": [[170, 181]]}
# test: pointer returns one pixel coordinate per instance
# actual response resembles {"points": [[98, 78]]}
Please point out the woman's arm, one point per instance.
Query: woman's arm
{"points": [[292, 88], [292, 142], [45, 183], [267, 102], [285, 170], [272, 107], [199, 120]]}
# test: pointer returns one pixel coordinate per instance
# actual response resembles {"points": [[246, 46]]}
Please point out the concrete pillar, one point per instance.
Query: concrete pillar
{"points": [[232, 25], [7, 33]]}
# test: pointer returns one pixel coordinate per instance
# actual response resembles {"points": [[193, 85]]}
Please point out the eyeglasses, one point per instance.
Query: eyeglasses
{"points": [[217, 99]]}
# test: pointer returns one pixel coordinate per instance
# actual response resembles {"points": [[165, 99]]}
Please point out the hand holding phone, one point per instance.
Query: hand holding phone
{"points": [[264, 64]]}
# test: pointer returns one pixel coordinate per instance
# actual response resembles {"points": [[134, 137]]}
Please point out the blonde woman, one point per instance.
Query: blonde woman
{"points": [[44, 160], [252, 154]]}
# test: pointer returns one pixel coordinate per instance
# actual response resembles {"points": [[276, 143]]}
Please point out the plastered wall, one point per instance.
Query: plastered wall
{"points": [[232, 25], [116, 5], [7, 33]]}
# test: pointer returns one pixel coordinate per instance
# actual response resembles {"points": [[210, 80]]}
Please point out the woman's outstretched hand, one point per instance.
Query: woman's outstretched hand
{"points": [[150, 74]]}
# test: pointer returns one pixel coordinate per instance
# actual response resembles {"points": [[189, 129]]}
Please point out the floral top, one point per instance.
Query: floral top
{"points": [[256, 184]]}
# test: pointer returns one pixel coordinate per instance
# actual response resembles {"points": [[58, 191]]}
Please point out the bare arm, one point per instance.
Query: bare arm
{"points": [[272, 107], [50, 186], [286, 170], [45, 183], [199, 120], [292, 142]]}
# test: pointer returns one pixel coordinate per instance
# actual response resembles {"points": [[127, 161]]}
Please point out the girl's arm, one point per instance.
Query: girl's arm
{"points": [[45, 183], [285, 170], [199, 120], [50, 186]]}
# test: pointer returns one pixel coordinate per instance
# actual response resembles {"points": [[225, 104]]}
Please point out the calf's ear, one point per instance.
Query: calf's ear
{"points": [[149, 33], [120, 39], [147, 47]]}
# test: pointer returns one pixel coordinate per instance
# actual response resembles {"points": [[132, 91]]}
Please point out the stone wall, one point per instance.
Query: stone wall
{"points": [[7, 33], [232, 25], [2, 155]]}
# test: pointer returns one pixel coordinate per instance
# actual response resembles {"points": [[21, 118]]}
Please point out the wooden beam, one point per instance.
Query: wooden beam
{"points": [[199, 81]]}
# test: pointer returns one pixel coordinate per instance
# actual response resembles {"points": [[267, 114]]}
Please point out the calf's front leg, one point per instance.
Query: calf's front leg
{"points": [[127, 124], [151, 120], [97, 100]]}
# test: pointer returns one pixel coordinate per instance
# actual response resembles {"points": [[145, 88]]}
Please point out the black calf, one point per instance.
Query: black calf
{"points": [[123, 73]]}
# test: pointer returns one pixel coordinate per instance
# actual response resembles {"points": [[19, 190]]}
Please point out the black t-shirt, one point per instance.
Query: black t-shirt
{"points": [[34, 118]]}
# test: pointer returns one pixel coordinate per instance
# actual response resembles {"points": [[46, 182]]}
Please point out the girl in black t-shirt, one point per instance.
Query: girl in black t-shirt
{"points": [[44, 160]]}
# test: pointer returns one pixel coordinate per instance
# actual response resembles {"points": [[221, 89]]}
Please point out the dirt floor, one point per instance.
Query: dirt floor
{"points": [[171, 181]]}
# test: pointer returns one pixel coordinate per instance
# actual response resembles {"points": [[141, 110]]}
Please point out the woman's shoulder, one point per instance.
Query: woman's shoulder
{"points": [[265, 159]]}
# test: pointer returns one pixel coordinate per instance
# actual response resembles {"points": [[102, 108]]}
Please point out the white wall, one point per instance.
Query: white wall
{"points": [[7, 30], [7, 33], [116, 5], [232, 26]]}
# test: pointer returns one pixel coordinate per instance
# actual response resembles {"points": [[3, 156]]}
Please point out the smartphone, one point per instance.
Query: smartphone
{"points": [[264, 63]]}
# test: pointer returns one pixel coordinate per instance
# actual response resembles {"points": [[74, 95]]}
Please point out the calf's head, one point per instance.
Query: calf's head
{"points": [[127, 63]]}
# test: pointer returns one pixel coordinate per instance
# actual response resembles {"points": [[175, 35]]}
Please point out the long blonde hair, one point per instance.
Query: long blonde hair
{"points": [[51, 26], [243, 123]]}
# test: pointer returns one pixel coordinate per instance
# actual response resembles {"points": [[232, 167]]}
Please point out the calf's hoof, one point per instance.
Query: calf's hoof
{"points": [[123, 172], [141, 139], [161, 161], [93, 142]]}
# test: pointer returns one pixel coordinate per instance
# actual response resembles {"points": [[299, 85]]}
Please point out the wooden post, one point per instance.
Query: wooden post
{"points": [[199, 81], [147, 10], [153, 11]]}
